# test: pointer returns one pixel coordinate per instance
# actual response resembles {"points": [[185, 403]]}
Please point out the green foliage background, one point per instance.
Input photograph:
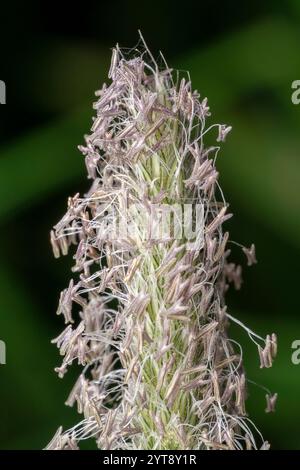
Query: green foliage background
{"points": [[244, 59]]}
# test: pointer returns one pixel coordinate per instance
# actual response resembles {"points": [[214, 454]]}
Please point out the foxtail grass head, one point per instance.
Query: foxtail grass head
{"points": [[145, 310]]}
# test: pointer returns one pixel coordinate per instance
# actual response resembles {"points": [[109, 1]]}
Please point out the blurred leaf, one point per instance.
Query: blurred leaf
{"points": [[263, 56], [294, 5], [264, 171], [30, 390], [41, 162]]}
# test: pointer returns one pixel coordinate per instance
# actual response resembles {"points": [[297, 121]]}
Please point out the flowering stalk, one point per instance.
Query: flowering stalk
{"points": [[158, 368]]}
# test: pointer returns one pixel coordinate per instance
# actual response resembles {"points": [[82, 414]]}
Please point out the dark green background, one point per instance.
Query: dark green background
{"points": [[244, 57]]}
